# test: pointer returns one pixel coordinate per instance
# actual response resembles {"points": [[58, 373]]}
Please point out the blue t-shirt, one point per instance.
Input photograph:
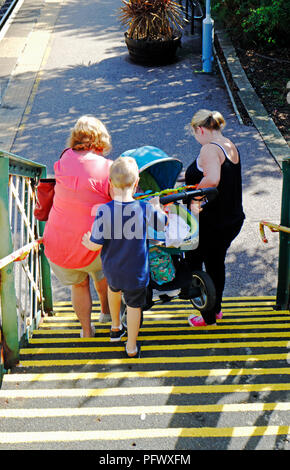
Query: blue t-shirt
{"points": [[123, 229]]}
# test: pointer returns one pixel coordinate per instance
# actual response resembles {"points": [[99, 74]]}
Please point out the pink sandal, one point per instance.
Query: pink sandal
{"points": [[197, 320], [219, 315]]}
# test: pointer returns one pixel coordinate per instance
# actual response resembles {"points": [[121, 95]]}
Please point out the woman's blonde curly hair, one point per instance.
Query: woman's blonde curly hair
{"points": [[89, 133]]}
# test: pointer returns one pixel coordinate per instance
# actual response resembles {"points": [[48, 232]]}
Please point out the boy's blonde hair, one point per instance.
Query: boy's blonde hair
{"points": [[89, 133], [124, 172], [212, 120]]}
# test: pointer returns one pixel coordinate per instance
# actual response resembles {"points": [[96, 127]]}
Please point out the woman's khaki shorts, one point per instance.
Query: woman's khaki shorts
{"points": [[70, 277]]}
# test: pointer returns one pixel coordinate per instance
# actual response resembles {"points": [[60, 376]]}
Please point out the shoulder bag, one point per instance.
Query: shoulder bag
{"points": [[44, 197]]}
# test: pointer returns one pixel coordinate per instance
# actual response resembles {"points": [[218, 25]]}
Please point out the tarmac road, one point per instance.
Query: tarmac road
{"points": [[77, 63]]}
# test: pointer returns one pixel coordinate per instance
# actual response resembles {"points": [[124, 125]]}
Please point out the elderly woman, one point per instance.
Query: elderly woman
{"points": [[82, 184], [217, 165]]}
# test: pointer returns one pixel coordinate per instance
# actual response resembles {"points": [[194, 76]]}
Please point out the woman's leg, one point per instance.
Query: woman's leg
{"points": [[82, 304], [101, 286], [102, 291], [215, 268], [214, 249]]}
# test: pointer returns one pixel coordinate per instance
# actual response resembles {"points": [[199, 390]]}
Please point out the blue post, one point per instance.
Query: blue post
{"points": [[207, 40]]}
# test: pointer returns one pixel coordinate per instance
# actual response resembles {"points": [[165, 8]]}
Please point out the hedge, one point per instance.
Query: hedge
{"points": [[255, 21]]}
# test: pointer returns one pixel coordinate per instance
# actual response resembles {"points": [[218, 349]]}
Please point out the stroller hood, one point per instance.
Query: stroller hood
{"points": [[157, 170]]}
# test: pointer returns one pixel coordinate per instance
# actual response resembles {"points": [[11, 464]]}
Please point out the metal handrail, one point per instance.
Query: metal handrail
{"points": [[272, 227], [25, 287], [6, 10], [194, 6], [21, 253]]}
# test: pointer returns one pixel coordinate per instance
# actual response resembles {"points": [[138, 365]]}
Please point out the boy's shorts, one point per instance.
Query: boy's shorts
{"points": [[70, 277], [133, 298]]}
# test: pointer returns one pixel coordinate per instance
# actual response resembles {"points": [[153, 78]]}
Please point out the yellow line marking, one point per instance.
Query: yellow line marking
{"points": [[243, 298], [127, 391], [124, 434], [71, 376], [252, 319], [187, 306], [250, 344], [171, 306], [158, 360], [214, 327], [235, 323], [65, 316], [139, 410], [58, 321], [170, 324], [252, 297], [96, 339]]}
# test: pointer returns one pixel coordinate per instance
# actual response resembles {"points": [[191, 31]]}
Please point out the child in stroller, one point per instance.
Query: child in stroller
{"points": [[171, 277]]}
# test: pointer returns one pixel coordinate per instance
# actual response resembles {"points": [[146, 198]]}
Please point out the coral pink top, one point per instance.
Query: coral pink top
{"points": [[82, 184]]}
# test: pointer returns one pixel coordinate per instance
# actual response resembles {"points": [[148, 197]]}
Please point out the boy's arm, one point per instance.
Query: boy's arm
{"points": [[86, 241]]}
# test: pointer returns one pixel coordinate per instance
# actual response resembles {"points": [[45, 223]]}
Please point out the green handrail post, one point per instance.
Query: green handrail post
{"points": [[283, 287], [7, 288]]}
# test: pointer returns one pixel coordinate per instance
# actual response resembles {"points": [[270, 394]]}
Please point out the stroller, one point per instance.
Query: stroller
{"points": [[159, 176]]}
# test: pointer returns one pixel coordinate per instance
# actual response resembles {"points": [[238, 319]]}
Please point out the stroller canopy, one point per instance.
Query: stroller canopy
{"points": [[157, 170]]}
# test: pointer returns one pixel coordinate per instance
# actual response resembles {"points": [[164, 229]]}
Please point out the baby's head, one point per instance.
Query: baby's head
{"points": [[124, 173]]}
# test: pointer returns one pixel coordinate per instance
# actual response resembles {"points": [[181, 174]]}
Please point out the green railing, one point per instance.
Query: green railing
{"points": [[25, 283], [283, 286]]}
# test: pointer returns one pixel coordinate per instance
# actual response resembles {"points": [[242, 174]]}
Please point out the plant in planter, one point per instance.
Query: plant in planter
{"points": [[154, 29]]}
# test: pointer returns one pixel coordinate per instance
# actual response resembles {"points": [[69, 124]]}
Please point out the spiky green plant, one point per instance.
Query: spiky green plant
{"points": [[151, 19]]}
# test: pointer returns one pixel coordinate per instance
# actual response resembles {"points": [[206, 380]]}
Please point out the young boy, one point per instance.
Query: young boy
{"points": [[120, 229]]}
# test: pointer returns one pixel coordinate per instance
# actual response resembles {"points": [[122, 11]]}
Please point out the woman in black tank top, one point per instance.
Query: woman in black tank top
{"points": [[218, 165]]}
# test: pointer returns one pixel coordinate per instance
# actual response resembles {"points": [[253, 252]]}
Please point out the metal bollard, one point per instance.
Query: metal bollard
{"points": [[207, 40]]}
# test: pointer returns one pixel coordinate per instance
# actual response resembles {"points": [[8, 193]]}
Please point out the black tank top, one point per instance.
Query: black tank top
{"points": [[227, 208]]}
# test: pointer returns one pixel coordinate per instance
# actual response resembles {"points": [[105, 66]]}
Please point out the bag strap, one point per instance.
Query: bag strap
{"points": [[63, 152]]}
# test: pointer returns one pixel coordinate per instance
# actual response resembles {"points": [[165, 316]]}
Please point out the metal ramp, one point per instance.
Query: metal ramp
{"points": [[224, 387]]}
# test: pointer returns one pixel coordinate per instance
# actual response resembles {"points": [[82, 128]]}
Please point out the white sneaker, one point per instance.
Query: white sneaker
{"points": [[104, 317]]}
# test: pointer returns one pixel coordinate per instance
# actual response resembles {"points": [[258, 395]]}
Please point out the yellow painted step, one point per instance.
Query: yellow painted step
{"points": [[124, 434], [159, 347], [159, 360], [75, 376], [156, 390], [280, 334], [142, 410]]}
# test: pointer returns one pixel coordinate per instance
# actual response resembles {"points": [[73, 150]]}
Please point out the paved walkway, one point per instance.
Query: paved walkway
{"points": [[75, 62]]}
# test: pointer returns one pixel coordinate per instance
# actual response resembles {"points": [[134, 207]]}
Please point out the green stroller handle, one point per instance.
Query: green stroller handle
{"points": [[187, 196]]}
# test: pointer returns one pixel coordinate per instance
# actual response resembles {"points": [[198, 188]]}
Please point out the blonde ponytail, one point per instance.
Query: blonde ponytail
{"points": [[212, 120]]}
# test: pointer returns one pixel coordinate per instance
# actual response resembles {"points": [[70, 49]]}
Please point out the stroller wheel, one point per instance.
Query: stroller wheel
{"points": [[202, 283]]}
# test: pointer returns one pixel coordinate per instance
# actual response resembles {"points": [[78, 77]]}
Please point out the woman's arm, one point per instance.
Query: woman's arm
{"points": [[210, 163]]}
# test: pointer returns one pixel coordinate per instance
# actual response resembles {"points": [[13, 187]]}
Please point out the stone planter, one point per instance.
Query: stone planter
{"points": [[153, 52]]}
